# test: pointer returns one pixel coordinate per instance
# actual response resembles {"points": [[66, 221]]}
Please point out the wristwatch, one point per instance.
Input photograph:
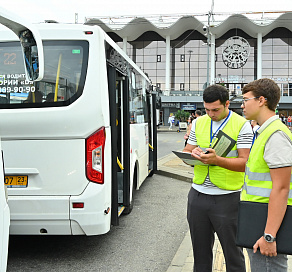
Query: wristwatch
{"points": [[269, 238]]}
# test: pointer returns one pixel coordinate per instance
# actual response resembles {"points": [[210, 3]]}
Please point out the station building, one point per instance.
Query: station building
{"points": [[183, 57]]}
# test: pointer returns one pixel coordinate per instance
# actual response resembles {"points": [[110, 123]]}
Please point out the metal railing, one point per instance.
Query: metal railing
{"points": [[186, 93], [195, 93], [200, 93]]}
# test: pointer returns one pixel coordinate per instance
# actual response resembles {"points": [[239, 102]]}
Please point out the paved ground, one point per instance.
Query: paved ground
{"points": [[172, 166]]}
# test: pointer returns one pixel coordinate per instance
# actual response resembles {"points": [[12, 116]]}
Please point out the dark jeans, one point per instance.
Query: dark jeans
{"points": [[208, 214]]}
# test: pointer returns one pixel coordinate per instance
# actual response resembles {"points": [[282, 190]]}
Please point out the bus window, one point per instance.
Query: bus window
{"points": [[65, 72]]}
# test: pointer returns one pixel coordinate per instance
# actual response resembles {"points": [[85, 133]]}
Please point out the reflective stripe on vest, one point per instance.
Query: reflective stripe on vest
{"points": [[259, 176], [258, 191]]}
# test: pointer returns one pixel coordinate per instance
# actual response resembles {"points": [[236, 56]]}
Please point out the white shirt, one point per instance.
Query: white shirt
{"points": [[255, 128]]}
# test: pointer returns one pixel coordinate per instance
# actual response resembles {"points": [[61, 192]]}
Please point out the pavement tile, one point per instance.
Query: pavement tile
{"points": [[172, 166]]}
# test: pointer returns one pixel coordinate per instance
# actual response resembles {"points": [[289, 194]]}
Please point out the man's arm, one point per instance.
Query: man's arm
{"points": [[277, 208], [189, 148], [234, 164]]}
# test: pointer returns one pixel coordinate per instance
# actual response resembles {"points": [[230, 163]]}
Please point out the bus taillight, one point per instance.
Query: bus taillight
{"points": [[95, 156]]}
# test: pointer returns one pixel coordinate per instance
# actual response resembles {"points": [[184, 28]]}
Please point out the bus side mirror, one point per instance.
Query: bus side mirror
{"points": [[30, 41], [31, 54], [158, 102]]}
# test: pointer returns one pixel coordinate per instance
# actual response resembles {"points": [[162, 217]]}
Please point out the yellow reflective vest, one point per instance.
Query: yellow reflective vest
{"points": [[223, 178], [258, 183]]}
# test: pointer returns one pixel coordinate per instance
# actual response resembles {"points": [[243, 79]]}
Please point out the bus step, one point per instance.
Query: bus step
{"points": [[150, 167], [120, 210]]}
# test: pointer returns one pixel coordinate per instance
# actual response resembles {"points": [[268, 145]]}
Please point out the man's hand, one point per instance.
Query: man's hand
{"points": [[267, 249], [210, 158]]}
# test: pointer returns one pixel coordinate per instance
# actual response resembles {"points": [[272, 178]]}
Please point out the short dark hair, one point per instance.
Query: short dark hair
{"points": [[216, 92], [267, 88], [198, 112]]}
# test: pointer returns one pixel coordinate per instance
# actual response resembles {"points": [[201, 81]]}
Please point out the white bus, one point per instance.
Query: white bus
{"points": [[78, 143]]}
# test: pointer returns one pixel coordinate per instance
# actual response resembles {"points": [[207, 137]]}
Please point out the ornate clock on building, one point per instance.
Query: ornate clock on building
{"points": [[236, 52]]}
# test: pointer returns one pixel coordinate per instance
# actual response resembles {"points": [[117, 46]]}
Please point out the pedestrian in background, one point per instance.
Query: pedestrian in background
{"points": [[186, 136], [269, 162], [289, 120], [282, 118], [215, 192], [198, 113], [170, 121]]}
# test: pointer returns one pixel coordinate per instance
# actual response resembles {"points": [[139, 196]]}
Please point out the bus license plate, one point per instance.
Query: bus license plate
{"points": [[16, 181]]}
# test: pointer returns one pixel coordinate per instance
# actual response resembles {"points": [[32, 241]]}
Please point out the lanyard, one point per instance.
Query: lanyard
{"points": [[254, 137], [211, 129]]}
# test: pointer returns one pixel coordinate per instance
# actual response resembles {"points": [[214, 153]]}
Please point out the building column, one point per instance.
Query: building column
{"points": [[213, 55], [259, 55], [125, 42], [167, 67]]}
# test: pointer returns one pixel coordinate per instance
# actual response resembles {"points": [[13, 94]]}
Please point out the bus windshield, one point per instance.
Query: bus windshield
{"points": [[65, 72]]}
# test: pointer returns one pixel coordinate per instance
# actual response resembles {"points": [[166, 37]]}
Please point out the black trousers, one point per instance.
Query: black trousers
{"points": [[206, 215]]}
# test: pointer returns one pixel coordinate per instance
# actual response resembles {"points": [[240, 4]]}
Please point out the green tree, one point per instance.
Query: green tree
{"points": [[182, 115]]}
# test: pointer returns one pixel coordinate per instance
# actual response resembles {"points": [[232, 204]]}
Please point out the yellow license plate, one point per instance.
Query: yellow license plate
{"points": [[15, 181]]}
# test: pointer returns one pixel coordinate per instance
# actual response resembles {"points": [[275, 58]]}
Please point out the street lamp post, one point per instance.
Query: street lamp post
{"points": [[210, 13], [208, 50], [190, 52]]}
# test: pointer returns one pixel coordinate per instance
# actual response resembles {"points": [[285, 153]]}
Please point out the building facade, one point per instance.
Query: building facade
{"points": [[188, 55]]}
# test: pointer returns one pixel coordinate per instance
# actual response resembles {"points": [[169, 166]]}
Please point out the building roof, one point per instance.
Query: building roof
{"points": [[134, 28]]}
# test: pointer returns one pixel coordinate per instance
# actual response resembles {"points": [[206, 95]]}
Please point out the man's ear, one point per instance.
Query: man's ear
{"points": [[227, 103], [262, 101]]}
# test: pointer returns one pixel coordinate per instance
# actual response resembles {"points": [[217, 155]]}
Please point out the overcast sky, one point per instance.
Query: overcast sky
{"points": [[64, 10]]}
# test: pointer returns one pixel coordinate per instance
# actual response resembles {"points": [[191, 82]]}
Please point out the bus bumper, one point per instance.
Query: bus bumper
{"points": [[55, 215]]}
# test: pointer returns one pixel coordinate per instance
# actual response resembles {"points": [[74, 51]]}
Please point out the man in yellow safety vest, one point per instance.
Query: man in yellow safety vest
{"points": [[268, 170], [215, 192]]}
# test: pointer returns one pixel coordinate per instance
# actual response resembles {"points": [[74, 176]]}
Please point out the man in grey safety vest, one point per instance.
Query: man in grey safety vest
{"points": [[268, 170]]}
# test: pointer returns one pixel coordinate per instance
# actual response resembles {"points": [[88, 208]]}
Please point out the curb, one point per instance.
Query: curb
{"points": [[183, 261], [173, 175], [183, 258], [165, 129], [171, 166]]}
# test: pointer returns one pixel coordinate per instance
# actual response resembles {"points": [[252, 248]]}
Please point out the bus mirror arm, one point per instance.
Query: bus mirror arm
{"points": [[30, 41]]}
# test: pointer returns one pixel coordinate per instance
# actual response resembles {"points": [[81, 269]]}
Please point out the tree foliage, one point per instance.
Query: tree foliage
{"points": [[182, 115]]}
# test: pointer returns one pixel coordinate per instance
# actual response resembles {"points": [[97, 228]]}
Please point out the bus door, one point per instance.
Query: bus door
{"points": [[120, 141], [152, 132]]}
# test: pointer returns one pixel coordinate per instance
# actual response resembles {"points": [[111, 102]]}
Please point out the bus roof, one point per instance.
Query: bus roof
{"points": [[57, 31]]}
